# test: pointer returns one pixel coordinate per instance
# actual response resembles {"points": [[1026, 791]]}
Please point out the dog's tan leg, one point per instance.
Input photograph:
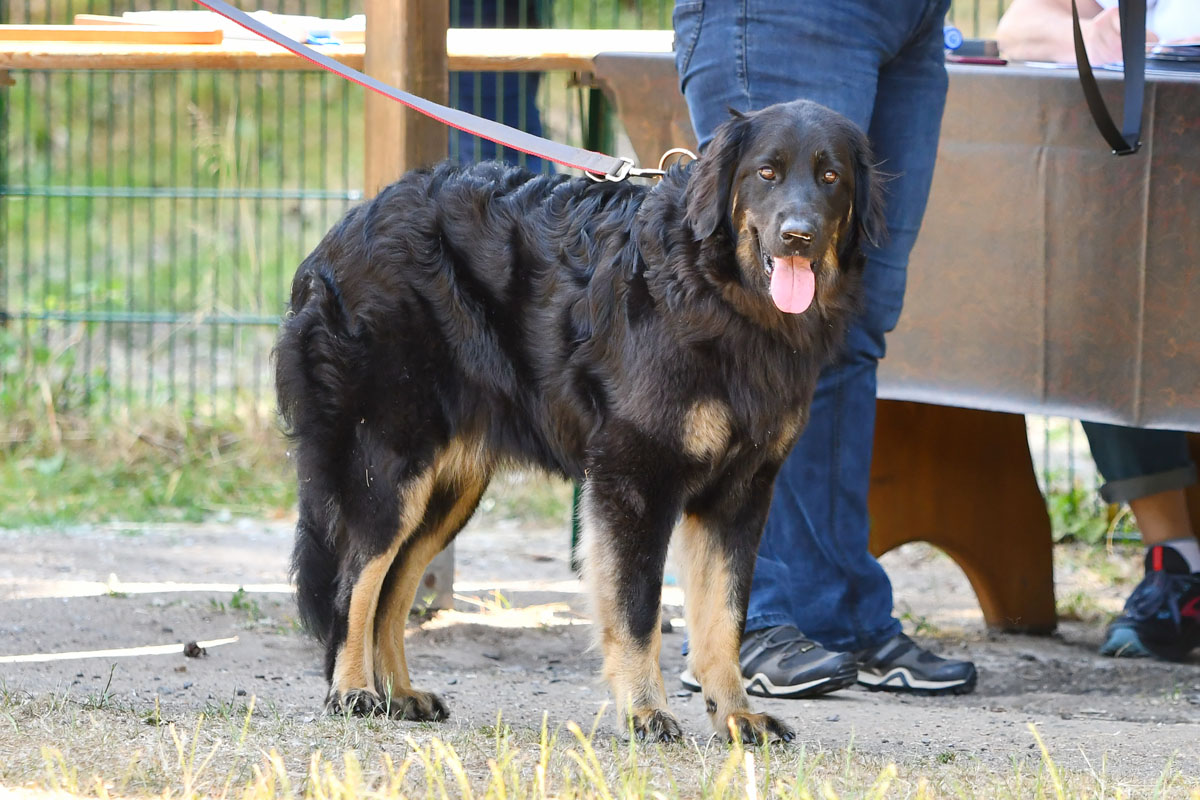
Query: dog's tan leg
{"points": [[352, 685], [626, 588], [714, 608], [391, 668]]}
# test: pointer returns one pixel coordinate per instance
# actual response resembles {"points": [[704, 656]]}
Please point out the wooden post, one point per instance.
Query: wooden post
{"points": [[405, 47]]}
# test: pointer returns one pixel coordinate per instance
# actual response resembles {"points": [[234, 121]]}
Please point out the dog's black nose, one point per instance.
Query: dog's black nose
{"points": [[796, 232]]}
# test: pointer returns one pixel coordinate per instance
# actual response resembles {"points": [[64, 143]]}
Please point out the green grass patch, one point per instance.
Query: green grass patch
{"points": [[144, 469], [159, 466]]}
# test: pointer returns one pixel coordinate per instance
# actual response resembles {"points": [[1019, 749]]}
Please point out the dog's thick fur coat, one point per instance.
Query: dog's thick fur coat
{"points": [[622, 336]]}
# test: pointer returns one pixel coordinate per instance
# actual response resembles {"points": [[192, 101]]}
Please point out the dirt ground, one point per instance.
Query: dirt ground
{"points": [[518, 641]]}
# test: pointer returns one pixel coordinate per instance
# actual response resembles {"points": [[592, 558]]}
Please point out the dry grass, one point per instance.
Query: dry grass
{"points": [[87, 748]]}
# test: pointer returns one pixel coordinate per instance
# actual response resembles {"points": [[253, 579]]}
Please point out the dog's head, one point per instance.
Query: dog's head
{"points": [[797, 188]]}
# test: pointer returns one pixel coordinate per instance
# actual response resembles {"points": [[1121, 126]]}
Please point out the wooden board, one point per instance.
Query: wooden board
{"points": [[536, 50], [119, 34], [339, 29]]}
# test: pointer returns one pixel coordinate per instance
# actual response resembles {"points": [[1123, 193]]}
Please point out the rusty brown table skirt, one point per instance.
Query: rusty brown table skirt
{"points": [[1050, 277]]}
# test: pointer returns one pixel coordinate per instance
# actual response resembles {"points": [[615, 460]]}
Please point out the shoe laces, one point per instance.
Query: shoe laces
{"points": [[1158, 590], [788, 641]]}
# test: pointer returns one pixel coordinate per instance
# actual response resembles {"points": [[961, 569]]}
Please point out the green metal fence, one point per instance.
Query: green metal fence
{"points": [[152, 219]]}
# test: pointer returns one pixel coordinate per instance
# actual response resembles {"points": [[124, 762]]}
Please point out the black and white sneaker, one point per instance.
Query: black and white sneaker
{"points": [[901, 665], [783, 662]]}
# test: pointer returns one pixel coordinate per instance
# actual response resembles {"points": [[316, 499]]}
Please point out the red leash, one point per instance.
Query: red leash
{"points": [[596, 165]]}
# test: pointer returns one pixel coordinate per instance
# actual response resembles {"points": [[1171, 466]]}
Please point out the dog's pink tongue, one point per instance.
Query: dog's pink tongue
{"points": [[792, 284]]}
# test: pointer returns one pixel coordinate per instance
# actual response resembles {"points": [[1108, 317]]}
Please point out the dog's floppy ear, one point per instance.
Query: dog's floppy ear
{"points": [[712, 178], [869, 222]]}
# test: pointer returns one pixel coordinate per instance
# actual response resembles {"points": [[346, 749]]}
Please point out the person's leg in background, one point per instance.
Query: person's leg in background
{"points": [[880, 64], [507, 97], [1149, 470]]}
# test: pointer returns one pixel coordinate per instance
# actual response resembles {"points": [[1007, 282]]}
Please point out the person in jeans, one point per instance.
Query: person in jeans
{"points": [[881, 64]]}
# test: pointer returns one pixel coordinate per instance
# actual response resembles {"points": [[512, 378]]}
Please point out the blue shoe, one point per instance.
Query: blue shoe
{"points": [[1121, 640]]}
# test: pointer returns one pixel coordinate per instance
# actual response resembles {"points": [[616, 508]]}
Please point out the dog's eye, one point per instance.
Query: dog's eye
{"points": [[766, 173], [830, 176]]}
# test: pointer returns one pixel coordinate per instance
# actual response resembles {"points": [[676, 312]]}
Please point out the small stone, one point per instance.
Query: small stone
{"points": [[241, 692], [832, 718], [493, 656], [452, 681], [193, 650], [187, 685]]}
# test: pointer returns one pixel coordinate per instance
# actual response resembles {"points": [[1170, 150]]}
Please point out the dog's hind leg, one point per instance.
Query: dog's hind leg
{"points": [[352, 685], [455, 495], [626, 530], [718, 548]]}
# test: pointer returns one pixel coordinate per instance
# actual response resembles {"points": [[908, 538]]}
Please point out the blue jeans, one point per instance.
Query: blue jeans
{"points": [[508, 97], [1138, 462], [880, 63]]}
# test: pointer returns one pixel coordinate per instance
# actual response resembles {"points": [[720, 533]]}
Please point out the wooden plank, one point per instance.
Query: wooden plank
{"points": [[231, 55], [299, 27], [397, 139], [553, 44], [123, 34], [99, 19], [467, 50]]}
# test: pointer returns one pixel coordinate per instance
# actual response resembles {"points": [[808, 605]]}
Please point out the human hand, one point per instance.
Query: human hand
{"points": [[1102, 35]]}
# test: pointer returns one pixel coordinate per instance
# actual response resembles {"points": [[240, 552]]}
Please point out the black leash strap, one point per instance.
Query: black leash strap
{"points": [[1133, 51], [595, 164]]}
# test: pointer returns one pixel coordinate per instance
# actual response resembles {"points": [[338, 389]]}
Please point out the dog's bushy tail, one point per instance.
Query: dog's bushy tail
{"points": [[314, 385]]}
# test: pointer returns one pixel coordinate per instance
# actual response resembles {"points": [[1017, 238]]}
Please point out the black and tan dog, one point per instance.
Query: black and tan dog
{"points": [[659, 345]]}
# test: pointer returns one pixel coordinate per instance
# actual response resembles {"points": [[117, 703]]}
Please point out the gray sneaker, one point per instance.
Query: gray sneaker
{"points": [[783, 662], [902, 665]]}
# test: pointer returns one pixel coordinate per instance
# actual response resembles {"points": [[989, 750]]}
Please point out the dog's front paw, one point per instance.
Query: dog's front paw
{"points": [[656, 725], [756, 728], [356, 702], [414, 705]]}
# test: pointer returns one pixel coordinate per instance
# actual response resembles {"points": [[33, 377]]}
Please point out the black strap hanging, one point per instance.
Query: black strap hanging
{"points": [[1133, 51]]}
